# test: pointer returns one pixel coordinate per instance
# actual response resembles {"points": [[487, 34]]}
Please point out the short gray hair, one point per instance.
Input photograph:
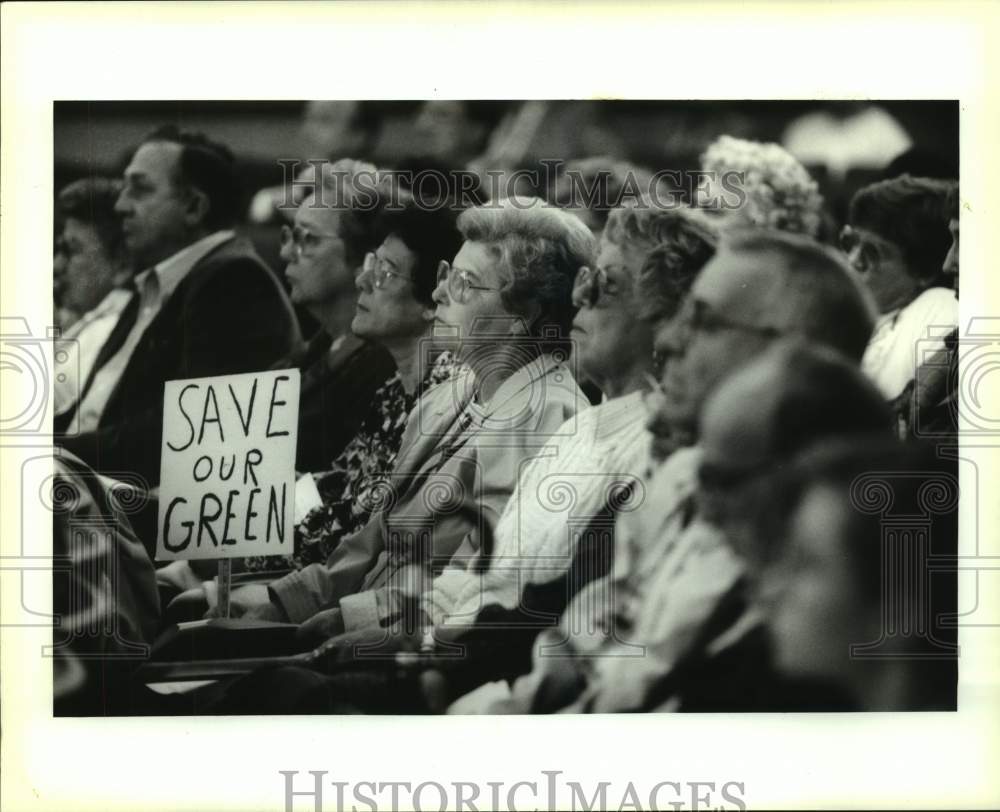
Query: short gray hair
{"points": [[830, 305], [541, 246]]}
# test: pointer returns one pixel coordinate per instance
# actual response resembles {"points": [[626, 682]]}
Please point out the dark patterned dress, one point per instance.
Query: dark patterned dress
{"points": [[348, 488]]}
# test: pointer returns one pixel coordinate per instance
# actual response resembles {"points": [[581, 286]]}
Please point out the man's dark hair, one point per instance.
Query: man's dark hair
{"points": [[92, 201], [361, 192], [209, 167], [911, 213], [431, 234]]}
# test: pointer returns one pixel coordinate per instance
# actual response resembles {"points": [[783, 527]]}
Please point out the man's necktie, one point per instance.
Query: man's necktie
{"points": [[117, 338]]}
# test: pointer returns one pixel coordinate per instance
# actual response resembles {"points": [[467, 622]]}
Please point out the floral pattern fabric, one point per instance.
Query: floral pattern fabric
{"points": [[350, 488]]}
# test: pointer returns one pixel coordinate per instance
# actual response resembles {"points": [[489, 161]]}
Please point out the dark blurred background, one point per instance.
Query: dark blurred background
{"points": [[844, 145]]}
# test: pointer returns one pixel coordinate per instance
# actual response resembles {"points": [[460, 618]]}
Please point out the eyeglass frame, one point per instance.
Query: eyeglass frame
{"points": [[293, 234], [374, 265], [851, 238], [695, 321], [452, 272]]}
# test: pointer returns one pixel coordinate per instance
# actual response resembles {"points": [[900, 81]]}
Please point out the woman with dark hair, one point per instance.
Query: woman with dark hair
{"points": [[395, 312], [897, 240]]}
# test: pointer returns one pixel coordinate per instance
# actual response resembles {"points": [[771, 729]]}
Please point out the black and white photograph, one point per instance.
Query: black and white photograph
{"points": [[553, 410]]}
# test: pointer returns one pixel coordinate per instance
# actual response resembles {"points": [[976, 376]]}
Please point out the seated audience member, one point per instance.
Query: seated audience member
{"points": [[104, 589], [204, 305], [851, 606], [761, 286], [505, 303], [325, 249], [395, 308], [90, 277], [700, 632], [928, 406], [621, 299], [759, 184], [592, 188], [897, 239]]}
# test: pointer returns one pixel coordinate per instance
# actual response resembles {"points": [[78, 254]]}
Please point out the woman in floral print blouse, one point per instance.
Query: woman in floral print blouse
{"points": [[394, 309]]}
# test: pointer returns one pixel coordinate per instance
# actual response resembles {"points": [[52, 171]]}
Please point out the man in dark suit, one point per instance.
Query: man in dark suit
{"points": [[205, 304]]}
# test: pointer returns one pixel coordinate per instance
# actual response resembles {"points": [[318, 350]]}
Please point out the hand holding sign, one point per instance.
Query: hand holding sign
{"points": [[227, 476]]}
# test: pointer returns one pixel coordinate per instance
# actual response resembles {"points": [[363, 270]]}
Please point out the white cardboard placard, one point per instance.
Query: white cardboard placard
{"points": [[227, 473]]}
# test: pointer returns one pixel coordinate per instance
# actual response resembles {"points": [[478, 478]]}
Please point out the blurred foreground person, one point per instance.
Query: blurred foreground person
{"points": [[90, 279], [104, 592], [760, 287], [860, 590], [205, 304], [543, 554], [702, 638], [897, 240]]}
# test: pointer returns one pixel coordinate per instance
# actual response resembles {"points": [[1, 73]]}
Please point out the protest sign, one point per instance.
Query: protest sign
{"points": [[227, 474]]}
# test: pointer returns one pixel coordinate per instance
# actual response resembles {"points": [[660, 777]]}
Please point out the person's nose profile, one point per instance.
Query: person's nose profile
{"points": [[123, 205], [440, 294]]}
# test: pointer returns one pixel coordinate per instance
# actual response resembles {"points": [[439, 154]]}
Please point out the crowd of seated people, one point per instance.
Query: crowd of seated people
{"points": [[483, 538]]}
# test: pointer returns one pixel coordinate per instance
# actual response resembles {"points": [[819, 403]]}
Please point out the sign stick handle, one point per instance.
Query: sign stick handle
{"points": [[225, 585]]}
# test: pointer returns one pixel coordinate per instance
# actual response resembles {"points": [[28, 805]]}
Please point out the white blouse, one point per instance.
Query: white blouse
{"points": [[903, 338]]}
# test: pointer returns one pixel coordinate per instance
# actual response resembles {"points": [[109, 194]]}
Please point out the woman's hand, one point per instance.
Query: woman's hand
{"points": [[251, 601]]}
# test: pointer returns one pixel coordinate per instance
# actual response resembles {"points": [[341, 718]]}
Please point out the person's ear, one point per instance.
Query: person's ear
{"points": [[427, 314], [197, 208]]}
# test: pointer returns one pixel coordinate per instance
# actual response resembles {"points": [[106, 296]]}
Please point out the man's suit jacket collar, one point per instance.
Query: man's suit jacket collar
{"points": [[171, 271]]}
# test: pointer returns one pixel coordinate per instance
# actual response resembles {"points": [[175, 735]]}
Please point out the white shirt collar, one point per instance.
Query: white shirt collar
{"points": [[171, 271]]}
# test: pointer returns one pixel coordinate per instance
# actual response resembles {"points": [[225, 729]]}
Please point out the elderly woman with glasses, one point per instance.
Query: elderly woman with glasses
{"points": [[324, 251], [504, 306], [394, 311], [602, 455], [551, 538]]}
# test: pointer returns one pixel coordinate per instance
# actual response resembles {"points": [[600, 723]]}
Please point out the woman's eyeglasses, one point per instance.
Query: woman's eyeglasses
{"points": [[592, 286], [459, 284], [869, 247], [303, 241], [380, 270]]}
